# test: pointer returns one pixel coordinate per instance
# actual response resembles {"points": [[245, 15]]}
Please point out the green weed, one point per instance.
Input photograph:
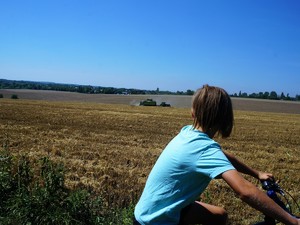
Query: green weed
{"points": [[38, 196]]}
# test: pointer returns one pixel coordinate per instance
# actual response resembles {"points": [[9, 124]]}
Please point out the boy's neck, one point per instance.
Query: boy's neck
{"points": [[211, 132]]}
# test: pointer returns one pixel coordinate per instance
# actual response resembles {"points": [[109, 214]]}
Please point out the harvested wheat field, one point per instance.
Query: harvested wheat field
{"points": [[111, 148]]}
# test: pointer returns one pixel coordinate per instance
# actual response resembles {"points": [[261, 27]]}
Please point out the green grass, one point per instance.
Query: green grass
{"points": [[36, 194]]}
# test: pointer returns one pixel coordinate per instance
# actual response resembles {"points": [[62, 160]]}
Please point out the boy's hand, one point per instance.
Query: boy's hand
{"points": [[262, 176]]}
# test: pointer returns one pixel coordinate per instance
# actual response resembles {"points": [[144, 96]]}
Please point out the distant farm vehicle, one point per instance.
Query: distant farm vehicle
{"points": [[148, 102], [151, 102], [164, 104]]}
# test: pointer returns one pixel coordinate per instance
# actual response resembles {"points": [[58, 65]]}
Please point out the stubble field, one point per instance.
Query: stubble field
{"points": [[111, 148]]}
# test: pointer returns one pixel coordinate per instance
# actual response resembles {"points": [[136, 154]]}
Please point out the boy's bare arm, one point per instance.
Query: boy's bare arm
{"points": [[257, 199], [243, 168]]}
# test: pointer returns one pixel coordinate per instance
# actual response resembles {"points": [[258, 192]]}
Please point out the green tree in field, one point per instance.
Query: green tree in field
{"points": [[244, 95], [189, 92], [260, 95], [266, 95], [288, 97], [273, 95], [253, 95]]}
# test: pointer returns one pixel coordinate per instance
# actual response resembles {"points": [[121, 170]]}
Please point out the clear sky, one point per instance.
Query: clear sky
{"points": [[240, 45]]}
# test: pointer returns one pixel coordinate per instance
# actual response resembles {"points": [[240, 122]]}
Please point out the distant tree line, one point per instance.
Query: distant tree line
{"points": [[88, 89], [267, 95]]}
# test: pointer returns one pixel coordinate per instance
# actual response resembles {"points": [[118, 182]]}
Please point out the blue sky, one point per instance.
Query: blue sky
{"points": [[240, 45]]}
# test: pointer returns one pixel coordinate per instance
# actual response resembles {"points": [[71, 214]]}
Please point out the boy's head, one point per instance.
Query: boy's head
{"points": [[212, 111]]}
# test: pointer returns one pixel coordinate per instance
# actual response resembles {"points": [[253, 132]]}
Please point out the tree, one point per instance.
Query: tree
{"points": [[273, 95], [288, 97], [189, 92], [266, 95], [260, 95], [244, 95], [253, 95]]}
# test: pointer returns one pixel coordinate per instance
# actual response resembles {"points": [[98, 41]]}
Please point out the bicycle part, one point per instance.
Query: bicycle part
{"points": [[272, 189]]}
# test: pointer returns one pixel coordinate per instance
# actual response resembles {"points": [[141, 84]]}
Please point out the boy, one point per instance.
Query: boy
{"points": [[191, 160]]}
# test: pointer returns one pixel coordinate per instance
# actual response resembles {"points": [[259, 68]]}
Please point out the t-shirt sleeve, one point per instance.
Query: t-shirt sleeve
{"points": [[213, 162]]}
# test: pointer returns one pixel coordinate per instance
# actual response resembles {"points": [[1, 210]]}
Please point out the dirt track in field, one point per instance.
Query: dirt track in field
{"points": [[174, 100]]}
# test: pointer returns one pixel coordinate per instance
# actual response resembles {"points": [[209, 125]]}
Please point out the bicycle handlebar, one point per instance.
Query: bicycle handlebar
{"points": [[272, 188], [269, 185]]}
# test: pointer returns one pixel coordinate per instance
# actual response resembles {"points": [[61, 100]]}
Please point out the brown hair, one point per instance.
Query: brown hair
{"points": [[212, 110]]}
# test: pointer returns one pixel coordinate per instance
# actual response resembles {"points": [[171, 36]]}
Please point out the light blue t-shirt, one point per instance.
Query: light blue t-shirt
{"points": [[181, 173]]}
